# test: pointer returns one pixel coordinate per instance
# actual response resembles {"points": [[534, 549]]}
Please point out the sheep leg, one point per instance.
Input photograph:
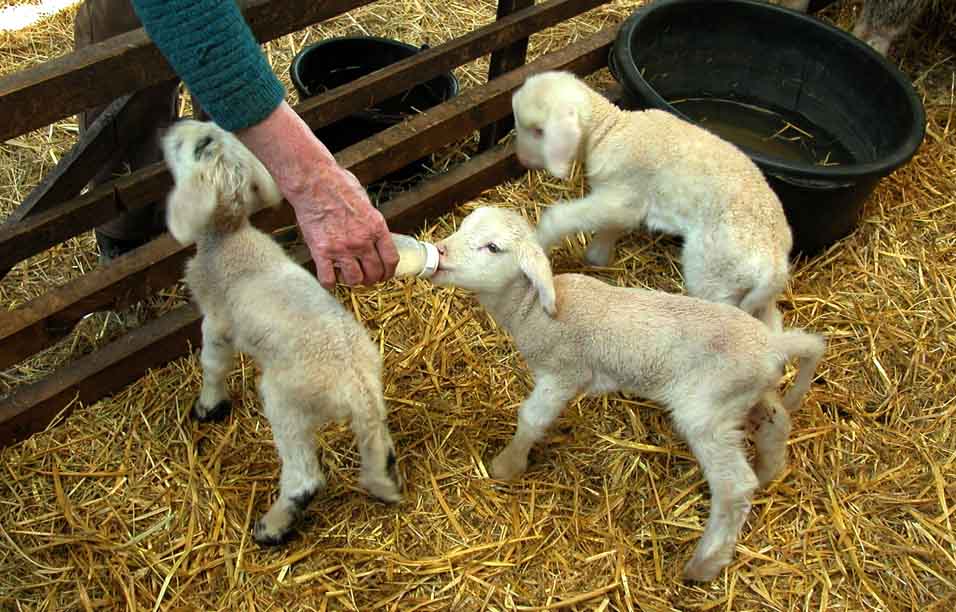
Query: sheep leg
{"points": [[770, 422], [300, 477], [216, 359], [719, 449], [601, 249], [593, 213], [379, 465], [537, 413]]}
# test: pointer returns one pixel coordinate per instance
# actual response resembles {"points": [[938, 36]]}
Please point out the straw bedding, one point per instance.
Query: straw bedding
{"points": [[127, 504]]}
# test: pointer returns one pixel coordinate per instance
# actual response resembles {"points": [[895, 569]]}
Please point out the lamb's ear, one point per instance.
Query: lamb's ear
{"points": [[189, 208], [265, 192], [562, 136], [535, 265]]}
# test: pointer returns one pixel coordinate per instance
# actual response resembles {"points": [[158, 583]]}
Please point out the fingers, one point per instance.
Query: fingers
{"points": [[385, 247], [325, 272], [371, 266], [350, 271]]}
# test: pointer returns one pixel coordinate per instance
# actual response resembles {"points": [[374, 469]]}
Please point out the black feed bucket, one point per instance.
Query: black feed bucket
{"points": [[738, 66], [338, 61]]}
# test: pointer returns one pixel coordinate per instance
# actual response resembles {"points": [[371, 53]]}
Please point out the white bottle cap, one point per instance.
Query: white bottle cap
{"points": [[431, 260]]}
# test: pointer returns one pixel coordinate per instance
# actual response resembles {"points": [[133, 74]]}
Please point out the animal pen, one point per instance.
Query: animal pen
{"points": [[113, 499]]}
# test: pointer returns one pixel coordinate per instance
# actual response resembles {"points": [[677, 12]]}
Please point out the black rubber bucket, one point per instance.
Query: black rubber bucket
{"points": [[729, 65], [338, 61]]}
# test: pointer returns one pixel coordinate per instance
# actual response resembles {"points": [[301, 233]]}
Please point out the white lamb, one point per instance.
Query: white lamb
{"points": [[712, 366], [652, 168], [318, 363]]}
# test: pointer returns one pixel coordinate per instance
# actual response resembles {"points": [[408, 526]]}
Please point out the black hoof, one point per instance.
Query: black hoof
{"points": [[279, 539], [302, 501], [218, 413]]}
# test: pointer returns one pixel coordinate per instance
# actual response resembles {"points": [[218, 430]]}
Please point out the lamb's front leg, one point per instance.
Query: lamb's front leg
{"points": [[604, 212], [537, 413], [216, 359]]}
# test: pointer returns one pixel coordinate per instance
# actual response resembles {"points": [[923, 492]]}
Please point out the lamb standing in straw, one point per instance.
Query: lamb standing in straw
{"points": [[318, 363], [714, 367], [655, 169]]}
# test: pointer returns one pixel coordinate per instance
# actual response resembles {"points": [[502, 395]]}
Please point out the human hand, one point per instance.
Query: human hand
{"points": [[340, 226], [343, 230]]}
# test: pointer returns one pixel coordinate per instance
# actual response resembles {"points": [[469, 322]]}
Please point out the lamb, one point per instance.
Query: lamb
{"points": [[881, 22], [714, 367], [318, 363], [652, 168]]}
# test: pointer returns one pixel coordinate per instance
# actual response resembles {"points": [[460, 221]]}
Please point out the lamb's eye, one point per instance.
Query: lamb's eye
{"points": [[538, 132], [493, 248], [201, 146]]}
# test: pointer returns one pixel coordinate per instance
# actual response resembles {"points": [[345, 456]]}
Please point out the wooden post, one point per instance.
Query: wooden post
{"points": [[502, 61]]}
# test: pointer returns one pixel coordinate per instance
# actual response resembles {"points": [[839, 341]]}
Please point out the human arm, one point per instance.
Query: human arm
{"points": [[210, 47]]}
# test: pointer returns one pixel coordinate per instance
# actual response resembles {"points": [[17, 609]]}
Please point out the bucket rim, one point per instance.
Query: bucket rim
{"points": [[634, 83], [305, 92]]}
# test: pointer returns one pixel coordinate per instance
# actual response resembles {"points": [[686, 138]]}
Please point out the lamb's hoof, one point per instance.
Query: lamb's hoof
{"points": [[219, 412], [702, 570], [506, 468], [597, 258], [264, 536], [768, 470], [382, 489]]}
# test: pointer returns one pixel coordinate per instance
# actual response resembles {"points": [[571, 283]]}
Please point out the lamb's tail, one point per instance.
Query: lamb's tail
{"points": [[808, 349]]}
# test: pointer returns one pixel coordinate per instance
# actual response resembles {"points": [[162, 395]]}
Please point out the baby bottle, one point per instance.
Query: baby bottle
{"points": [[415, 257]]}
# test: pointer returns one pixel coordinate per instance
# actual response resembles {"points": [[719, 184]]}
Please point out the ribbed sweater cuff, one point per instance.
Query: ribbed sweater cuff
{"points": [[211, 48]]}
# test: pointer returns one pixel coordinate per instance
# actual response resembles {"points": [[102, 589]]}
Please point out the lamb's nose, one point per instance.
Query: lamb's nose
{"points": [[442, 249]]}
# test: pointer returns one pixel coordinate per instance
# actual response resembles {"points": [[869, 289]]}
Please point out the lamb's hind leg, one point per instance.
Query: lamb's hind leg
{"points": [[718, 446], [216, 359], [380, 475], [293, 427]]}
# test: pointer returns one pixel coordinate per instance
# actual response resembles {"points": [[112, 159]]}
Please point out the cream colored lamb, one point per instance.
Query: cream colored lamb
{"points": [[318, 363], [712, 366], [652, 168]]}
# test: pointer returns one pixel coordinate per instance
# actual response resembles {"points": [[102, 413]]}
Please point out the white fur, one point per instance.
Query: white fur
{"points": [[318, 363], [651, 168], [714, 367]]}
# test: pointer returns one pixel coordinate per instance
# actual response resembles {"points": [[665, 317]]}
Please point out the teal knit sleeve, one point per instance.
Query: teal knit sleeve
{"points": [[211, 48]]}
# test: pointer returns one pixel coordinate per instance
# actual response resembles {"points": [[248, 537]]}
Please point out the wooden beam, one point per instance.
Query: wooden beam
{"points": [[61, 87], [502, 61], [32, 236], [459, 117], [98, 145], [382, 84], [30, 408], [408, 211]]}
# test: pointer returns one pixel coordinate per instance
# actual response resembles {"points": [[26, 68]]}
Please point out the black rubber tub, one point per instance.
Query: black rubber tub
{"points": [[338, 61], [824, 116]]}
